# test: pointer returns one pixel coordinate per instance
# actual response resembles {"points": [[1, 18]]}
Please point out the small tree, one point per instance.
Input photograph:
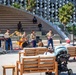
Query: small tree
{"points": [[65, 13], [30, 5]]}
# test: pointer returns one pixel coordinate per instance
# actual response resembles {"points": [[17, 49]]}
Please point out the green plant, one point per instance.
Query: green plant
{"points": [[16, 5], [30, 4], [70, 29], [65, 13]]}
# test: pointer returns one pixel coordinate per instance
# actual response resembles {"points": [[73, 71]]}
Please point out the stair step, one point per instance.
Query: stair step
{"points": [[9, 18]]}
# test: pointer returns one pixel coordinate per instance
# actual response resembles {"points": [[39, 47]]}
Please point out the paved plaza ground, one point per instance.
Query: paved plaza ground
{"points": [[11, 58]]}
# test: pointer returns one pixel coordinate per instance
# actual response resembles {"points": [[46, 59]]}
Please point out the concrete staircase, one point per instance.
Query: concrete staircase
{"points": [[9, 19]]}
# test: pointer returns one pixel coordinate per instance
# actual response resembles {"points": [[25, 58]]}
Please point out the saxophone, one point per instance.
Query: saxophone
{"points": [[16, 33]]}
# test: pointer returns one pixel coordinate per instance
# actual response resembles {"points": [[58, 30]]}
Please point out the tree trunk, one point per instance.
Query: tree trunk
{"points": [[28, 2]]}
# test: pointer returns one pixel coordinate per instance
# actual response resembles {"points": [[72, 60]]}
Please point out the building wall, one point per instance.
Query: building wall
{"points": [[49, 9]]}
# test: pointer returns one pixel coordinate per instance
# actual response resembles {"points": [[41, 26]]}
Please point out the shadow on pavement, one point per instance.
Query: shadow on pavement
{"points": [[72, 60], [65, 73], [10, 52], [13, 52]]}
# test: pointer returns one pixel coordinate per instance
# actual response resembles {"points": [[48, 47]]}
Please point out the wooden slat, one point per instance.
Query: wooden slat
{"points": [[36, 64], [72, 51]]}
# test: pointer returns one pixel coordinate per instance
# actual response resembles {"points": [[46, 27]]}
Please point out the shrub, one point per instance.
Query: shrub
{"points": [[16, 5]]}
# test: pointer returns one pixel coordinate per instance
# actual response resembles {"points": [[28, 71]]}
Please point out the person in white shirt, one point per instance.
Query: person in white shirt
{"points": [[50, 53], [8, 42]]}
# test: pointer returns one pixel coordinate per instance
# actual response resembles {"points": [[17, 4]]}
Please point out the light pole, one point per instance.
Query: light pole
{"points": [[73, 34]]}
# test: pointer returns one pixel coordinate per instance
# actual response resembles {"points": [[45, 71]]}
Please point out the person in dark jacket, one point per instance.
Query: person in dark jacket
{"points": [[40, 26], [19, 25], [34, 20]]}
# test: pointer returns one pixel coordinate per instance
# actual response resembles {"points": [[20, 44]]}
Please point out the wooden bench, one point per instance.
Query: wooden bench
{"points": [[35, 64], [72, 51], [33, 51]]}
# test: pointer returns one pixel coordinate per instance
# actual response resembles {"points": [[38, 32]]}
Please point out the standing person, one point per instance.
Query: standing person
{"points": [[33, 38], [49, 37], [8, 41], [19, 26], [34, 20], [40, 26]]}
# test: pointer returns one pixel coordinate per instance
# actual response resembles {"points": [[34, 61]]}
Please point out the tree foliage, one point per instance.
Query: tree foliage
{"points": [[30, 5], [65, 13], [16, 5]]}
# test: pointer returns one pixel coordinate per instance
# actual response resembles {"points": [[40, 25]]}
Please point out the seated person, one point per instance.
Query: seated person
{"points": [[49, 53], [68, 43], [25, 43], [22, 41], [40, 43], [34, 20]]}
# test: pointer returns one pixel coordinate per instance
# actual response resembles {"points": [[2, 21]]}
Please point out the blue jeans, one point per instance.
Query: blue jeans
{"points": [[50, 41], [34, 43], [8, 43]]}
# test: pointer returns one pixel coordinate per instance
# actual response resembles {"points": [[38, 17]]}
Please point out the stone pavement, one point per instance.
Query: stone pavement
{"points": [[11, 58]]}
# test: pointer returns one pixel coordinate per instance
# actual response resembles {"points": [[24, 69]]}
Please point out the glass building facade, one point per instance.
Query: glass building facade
{"points": [[47, 9]]}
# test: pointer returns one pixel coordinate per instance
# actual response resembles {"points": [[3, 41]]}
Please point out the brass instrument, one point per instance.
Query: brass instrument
{"points": [[16, 33]]}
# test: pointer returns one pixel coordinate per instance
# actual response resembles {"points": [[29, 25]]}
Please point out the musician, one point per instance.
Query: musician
{"points": [[50, 38], [33, 38], [8, 41], [23, 42], [40, 43]]}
